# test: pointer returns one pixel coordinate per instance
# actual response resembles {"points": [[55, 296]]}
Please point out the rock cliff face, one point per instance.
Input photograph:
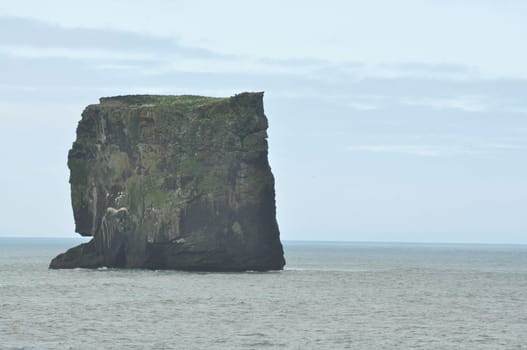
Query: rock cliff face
{"points": [[174, 182]]}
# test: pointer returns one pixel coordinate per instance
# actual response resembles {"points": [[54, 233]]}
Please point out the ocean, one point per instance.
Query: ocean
{"points": [[331, 295]]}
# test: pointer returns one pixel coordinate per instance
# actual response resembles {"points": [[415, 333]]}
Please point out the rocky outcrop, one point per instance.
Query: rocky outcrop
{"points": [[174, 182]]}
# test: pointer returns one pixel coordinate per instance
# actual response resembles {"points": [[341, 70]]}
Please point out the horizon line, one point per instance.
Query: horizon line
{"points": [[312, 241]]}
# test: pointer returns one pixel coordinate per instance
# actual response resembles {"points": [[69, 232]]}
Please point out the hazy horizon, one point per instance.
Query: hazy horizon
{"points": [[309, 241], [389, 122]]}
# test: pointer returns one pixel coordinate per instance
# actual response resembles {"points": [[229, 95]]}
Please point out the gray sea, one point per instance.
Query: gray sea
{"points": [[330, 296]]}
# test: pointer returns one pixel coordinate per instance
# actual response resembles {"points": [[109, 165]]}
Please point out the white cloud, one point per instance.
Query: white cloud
{"points": [[464, 103], [409, 71], [158, 63], [442, 150], [506, 146], [362, 106], [403, 31], [416, 150], [74, 53], [232, 65]]}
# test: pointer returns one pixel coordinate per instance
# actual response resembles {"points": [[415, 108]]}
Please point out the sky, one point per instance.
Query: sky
{"points": [[389, 120]]}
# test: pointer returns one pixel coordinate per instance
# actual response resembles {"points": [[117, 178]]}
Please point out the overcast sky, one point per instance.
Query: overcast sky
{"points": [[389, 120]]}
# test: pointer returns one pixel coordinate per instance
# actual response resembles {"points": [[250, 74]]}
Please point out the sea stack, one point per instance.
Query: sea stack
{"points": [[174, 182]]}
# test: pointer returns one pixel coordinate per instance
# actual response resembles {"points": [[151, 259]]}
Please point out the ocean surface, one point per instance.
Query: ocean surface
{"points": [[330, 296]]}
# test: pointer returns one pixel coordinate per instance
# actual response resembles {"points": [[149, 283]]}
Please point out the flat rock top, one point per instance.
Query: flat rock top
{"points": [[184, 100]]}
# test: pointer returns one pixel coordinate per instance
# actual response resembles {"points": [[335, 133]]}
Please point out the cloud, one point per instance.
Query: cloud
{"points": [[457, 147], [449, 72], [46, 57], [506, 146], [34, 52], [362, 106], [464, 103], [106, 49], [415, 150], [33, 33], [27, 38]]}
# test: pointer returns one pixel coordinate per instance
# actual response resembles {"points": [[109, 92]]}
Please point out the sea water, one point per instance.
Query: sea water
{"points": [[330, 296]]}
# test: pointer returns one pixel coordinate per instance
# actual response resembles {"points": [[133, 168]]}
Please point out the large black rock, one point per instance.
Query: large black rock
{"points": [[174, 182]]}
